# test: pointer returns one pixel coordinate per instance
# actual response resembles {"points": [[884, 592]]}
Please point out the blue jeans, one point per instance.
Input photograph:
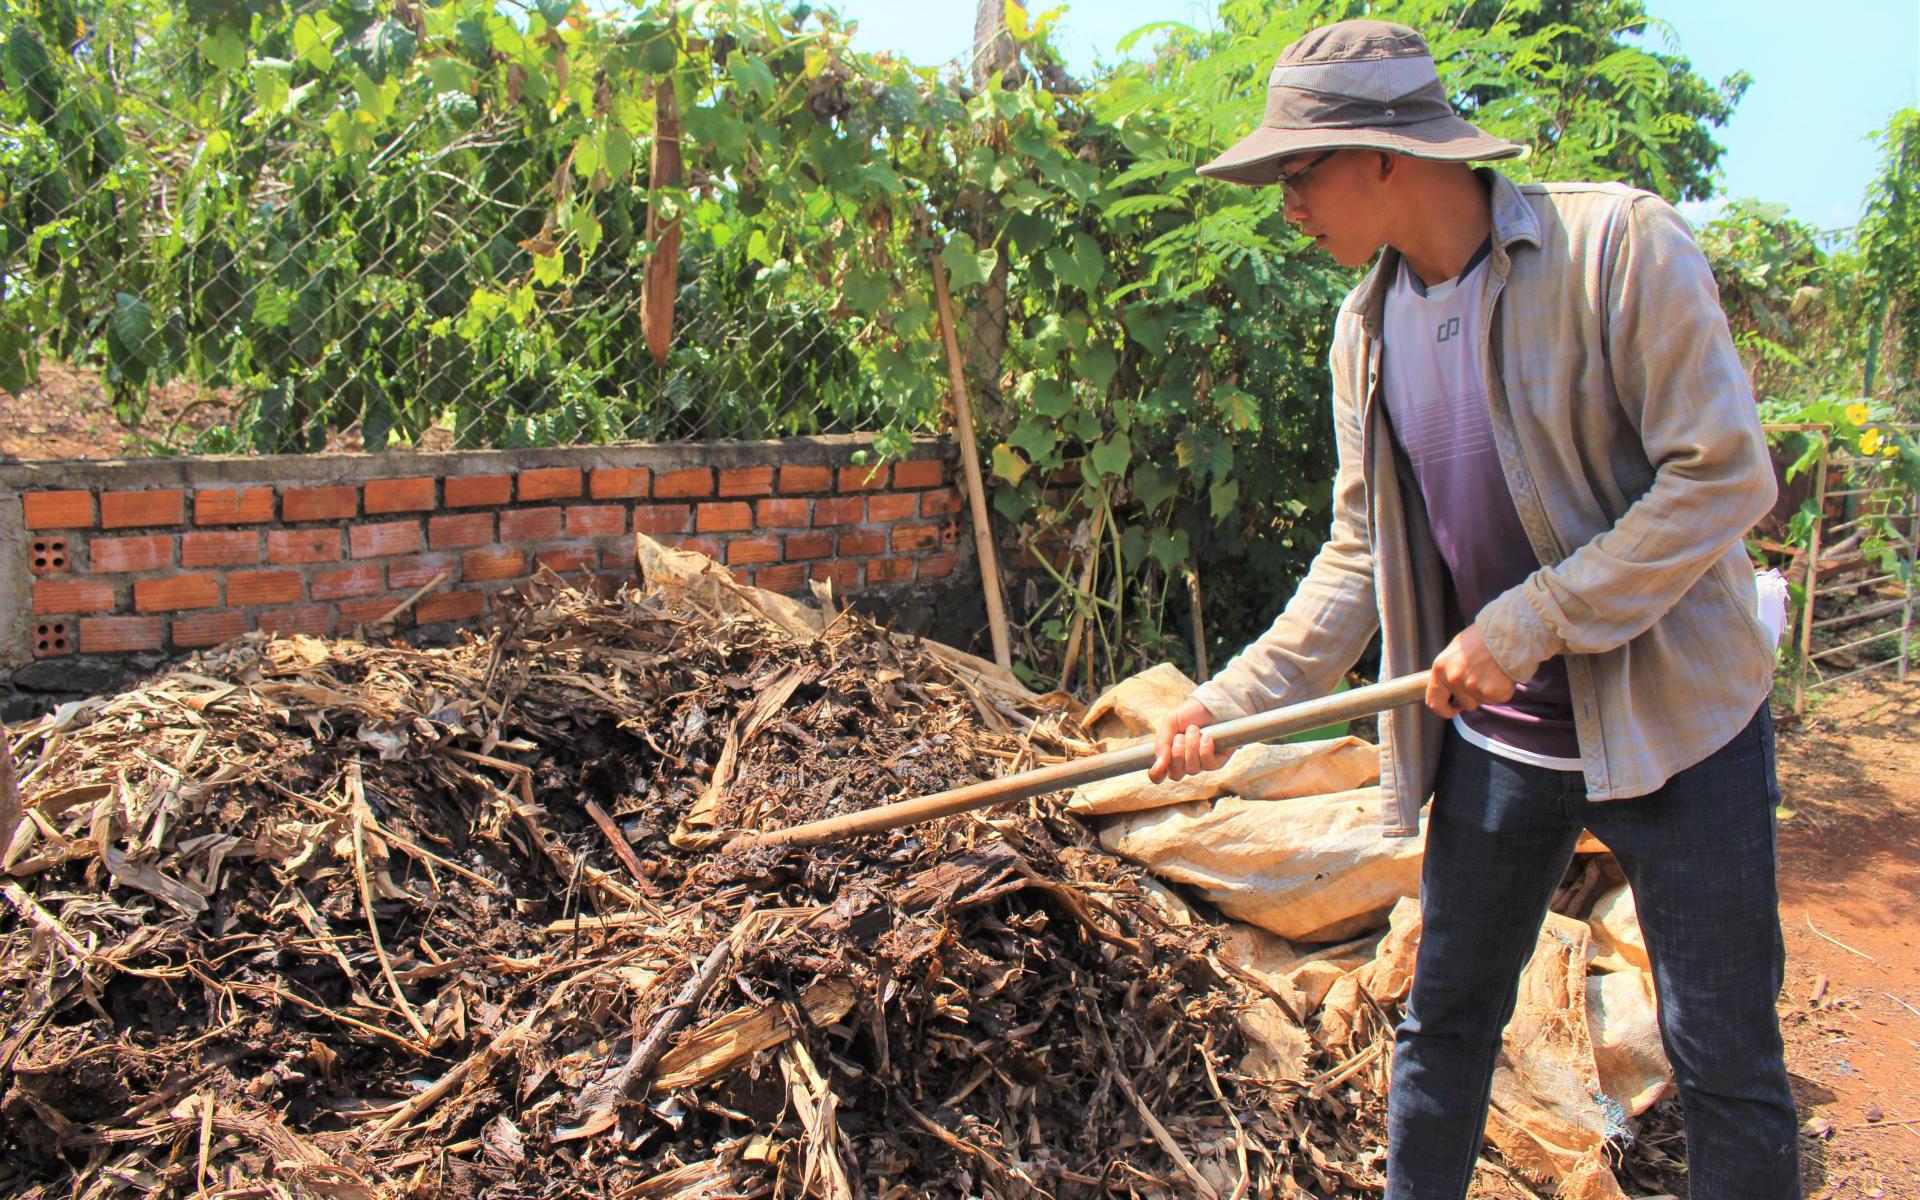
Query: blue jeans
{"points": [[1699, 854]]}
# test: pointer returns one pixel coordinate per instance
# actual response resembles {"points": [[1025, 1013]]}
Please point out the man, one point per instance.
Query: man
{"points": [[1548, 457]]}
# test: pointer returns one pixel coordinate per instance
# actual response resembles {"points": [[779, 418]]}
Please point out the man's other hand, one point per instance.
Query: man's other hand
{"points": [[1465, 677], [1182, 746]]}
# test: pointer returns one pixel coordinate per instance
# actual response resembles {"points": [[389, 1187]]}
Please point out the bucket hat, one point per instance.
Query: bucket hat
{"points": [[1364, 84]]}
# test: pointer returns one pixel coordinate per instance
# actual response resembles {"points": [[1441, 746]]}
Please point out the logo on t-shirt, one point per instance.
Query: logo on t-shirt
{"points": [[1449, 329]]}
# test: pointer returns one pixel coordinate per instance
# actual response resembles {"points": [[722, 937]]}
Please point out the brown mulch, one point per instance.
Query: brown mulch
{"points": [[336, 919]]}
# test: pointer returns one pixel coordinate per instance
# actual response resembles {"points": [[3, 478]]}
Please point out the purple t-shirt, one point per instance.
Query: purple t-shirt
{"points": [[1435, 388]]}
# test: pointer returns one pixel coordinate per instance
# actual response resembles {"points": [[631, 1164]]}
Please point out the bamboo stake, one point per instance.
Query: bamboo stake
{"points": [[1199, 628], [1079, 610], [1227, 735], [970, 461], [10, 807], [661, 281]]}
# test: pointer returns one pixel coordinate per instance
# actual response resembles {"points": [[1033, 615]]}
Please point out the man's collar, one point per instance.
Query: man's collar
{"points": [[1513, 221]]}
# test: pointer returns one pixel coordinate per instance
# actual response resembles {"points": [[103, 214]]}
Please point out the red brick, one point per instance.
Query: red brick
{"points": [[858, 543], [943, 503], [694, 481], [782, 577], [595, 520], [746, 481], [863, 479], [494, 562], [478, 491], [366, 612], [840, 510], [699, 545], [450, 606], [149, 552], [319, 504], [50, 556], [388, 537], [549, 483], [889, 570], [313, 619], [779, 514], [237, 548], [618, 483], [59, 510], [938, 566], [248, 588], [72, 595], [51, 639], [127, 510], [805, 479], [465, 529], [619, 560], [173, 592], [809, 545], [208, 628], [729, 517], [660, 520], [405, 574], [895, 506], [232, 506], [303, 545], [741, 575], [764, 548], [846, 576], [530, 524], [909, 538], [363, 580], [920, 473], [399, 495], [566, 558], [118, 635]]}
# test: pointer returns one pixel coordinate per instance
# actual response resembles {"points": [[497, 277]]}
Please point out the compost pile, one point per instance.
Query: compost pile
{"points": [[325, 918]]}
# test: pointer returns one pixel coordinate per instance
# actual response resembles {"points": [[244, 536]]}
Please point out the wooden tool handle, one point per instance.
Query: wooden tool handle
{"points": [[1227, 735]]}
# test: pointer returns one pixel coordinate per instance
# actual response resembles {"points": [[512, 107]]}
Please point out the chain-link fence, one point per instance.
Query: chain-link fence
{"points": [[313, 237]]}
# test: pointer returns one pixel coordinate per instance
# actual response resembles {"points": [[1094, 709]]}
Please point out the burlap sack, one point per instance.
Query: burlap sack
{"points": [[1312, 869]]}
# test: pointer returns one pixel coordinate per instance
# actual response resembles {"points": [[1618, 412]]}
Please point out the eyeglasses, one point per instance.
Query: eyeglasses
{"points": [[1290, 182]]}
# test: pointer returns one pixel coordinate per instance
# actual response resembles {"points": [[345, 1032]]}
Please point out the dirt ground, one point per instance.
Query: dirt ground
{"points": [[1850, 908]]}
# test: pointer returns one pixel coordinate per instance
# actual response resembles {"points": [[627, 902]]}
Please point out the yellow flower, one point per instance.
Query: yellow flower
{"points": [[1858, 414], [1870, 442], [1890, 450]]}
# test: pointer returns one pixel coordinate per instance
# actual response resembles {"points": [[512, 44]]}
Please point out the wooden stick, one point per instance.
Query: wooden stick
{"points": [[596, 1105], [970, 462], [10, 807], [660, 284], [394, 613], [357, 797], [1199, 628], [1080, 612], [1227, 735]]}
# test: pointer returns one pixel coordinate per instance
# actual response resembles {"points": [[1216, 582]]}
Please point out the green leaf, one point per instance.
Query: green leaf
{"points": [[616, 149], [1241, 410], [548, 269], [272, 85], [1079, 263], [225, 49], [1051, 398], [586, 157], [313, 35], [1036, 437], [1112, 456], [1097, 365], [1169, 548], [1153, 486], [1225, 497], [967, 267], [1008, 464], [866, 291]]}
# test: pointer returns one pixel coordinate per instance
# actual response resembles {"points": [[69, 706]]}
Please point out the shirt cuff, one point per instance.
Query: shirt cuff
{"points": [[1516, 634]]}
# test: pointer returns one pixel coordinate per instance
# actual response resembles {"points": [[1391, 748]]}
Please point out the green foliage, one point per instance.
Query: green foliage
{"points": [[402, 217], [1888, 241]]}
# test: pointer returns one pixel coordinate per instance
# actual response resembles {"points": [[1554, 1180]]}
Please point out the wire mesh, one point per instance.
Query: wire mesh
{"points": [[273, 270]]}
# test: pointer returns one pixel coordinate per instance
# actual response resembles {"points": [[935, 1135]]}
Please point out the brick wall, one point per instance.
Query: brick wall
{"points": [[165, 556]]}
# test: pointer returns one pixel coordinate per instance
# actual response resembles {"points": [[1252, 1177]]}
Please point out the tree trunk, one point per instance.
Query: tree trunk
{"points": [[993, 51], [661, 283]]}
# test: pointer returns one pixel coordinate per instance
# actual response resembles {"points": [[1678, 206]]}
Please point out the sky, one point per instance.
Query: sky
{"points": [[1801, 136]]}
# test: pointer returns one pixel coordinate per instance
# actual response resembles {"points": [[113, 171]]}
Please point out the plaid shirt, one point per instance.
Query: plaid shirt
{"points": [[1627, 430]]}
